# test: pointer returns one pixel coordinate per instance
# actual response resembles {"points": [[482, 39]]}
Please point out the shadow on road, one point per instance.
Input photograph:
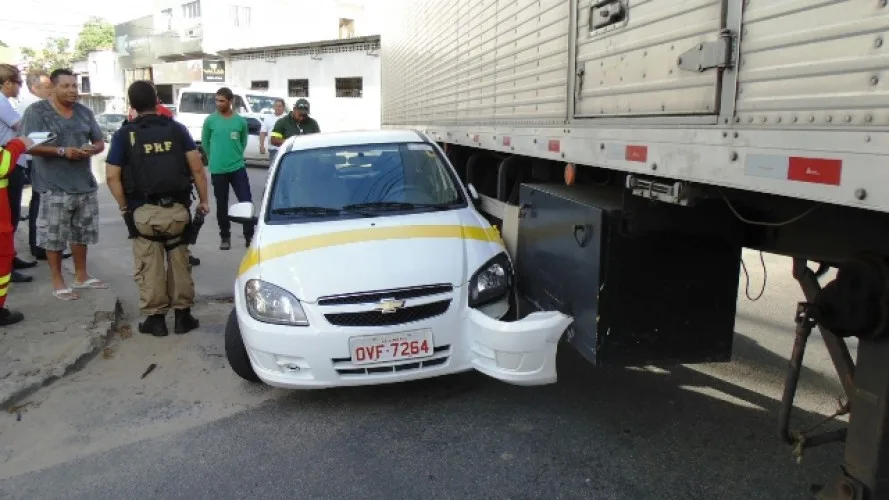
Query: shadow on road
{"points": [[642, 433]]}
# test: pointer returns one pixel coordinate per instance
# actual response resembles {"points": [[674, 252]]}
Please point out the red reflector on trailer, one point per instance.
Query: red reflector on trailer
{"points": [[554, 146], [815, 170], [506, 140], [636, 153]]}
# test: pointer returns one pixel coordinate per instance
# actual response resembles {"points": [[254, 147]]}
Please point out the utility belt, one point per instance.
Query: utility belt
{"points": [[189, 235]]}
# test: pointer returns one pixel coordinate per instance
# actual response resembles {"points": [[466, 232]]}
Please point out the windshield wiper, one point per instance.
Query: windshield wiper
{"points": [[305, 211], [436, 206], [381, 205]]}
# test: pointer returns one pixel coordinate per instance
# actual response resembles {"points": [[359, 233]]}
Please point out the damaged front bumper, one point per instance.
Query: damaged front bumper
{"points": [[520, 352]]}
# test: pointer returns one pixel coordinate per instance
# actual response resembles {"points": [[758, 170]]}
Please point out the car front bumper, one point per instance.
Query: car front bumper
{"points": [[522, 352]]}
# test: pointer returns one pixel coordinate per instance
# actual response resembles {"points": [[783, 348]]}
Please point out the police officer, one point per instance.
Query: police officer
{"points": [[151, 164], [297, 122]]}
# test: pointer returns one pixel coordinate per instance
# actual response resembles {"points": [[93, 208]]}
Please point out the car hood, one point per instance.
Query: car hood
{"points": [[318, 259]]}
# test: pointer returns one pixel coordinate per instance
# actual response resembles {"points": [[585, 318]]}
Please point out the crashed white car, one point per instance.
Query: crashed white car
{"points": [[371, 265]]}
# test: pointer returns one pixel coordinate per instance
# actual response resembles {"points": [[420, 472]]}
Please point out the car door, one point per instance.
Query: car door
{"points": [[251, 152]]}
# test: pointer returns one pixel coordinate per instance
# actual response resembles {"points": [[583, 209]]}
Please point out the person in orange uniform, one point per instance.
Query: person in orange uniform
{"points": [[9, 156]]}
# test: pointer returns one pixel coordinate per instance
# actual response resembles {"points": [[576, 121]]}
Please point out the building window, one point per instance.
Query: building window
{"points": [[298, 88], [191, 10], [259, 85], [347, 28], [85, 84], [349, 87], [164, 21], [240, 16]]}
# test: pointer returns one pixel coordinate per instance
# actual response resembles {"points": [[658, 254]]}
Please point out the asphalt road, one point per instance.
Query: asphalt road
{"points": [[191, 429]]}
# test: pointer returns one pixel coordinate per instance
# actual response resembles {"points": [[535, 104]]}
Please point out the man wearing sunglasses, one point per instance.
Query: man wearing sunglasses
{"points": [[10, 124]]}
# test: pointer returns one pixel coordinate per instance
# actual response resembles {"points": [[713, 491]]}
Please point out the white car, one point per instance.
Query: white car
{"points": [[371, 265]]}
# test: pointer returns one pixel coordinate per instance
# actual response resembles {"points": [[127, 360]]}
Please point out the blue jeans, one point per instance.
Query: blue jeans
{"points": [[240, 184]]}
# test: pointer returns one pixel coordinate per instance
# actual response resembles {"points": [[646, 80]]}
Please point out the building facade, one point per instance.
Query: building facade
{"points": [[100, 78], [180, 41], [340, 78]]}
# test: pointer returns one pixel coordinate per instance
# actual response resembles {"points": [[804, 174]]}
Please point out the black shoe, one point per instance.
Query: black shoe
{"points": [[8, 317], [226, 244], [18, 277], [156, 325], [194, 261], [18, 263], [185, 322]]}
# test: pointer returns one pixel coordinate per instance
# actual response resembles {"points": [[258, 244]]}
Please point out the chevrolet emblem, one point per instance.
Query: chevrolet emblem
{"points": [[388, 306]]}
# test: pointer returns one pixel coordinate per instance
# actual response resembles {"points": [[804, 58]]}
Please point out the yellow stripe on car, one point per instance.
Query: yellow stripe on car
{"points": [[283, 248]]}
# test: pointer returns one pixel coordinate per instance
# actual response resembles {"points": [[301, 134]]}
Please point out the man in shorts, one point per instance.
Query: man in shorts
{"points": [[69, 205]]}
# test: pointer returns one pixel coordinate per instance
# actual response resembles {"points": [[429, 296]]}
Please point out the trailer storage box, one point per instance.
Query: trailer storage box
{"points": [[645, 282]]}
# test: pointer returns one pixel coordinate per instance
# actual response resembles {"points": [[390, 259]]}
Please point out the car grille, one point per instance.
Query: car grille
{"points": [[378, 295], [401, 316], [345, 368]]}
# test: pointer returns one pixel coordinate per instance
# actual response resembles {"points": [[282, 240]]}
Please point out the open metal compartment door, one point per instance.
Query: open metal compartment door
{"points": [[659, 60]]}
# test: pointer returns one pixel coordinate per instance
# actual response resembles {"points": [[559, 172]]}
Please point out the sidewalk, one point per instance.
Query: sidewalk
{"points": [[57, 337]]}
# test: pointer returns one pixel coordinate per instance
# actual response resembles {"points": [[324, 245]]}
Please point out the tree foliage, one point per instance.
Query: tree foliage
{"points": [[96, 34], [3, 44], [56, 53]]}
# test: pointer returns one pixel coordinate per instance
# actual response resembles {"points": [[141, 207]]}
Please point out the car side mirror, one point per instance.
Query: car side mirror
{"points": [[242, 213]]}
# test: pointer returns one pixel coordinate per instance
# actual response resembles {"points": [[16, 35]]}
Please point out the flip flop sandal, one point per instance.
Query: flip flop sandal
{"points": [[93, 283], [65, 294]]}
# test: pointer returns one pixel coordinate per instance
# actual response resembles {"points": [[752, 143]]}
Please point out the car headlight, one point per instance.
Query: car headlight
{"points": [[272, 304], [491, 282]]}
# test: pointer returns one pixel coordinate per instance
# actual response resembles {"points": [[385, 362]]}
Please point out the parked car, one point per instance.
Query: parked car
{"points": [[370, 264], [109, 123], [198, 101]]}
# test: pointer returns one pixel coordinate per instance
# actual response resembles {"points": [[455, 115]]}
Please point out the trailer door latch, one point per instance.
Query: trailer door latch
{"points": [[709, 55]]}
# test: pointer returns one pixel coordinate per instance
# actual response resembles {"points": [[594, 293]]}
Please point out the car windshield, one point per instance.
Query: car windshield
{"points": [[368, 180], [261, 103]]}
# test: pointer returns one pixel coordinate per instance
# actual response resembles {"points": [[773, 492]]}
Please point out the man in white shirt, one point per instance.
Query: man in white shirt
{"points": [[10, 123], [268, 124]]}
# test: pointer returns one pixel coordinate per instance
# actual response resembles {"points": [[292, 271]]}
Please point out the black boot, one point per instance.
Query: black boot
{"points": [[156, 325], [18, 263], [185, 322], [8, 317]]}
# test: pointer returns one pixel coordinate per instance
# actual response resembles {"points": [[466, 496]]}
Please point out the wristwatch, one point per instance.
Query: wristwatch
{"points": [[61, 151]]}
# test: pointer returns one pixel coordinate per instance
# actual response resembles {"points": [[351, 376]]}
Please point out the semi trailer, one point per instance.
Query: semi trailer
{"points": [[628, 150]]}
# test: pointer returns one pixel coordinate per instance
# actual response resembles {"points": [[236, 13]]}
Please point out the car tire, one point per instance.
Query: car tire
{"points": [[235, 351]]}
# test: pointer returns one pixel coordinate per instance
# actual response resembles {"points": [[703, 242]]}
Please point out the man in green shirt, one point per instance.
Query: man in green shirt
{"points": [[297, 122], [224, 138]]}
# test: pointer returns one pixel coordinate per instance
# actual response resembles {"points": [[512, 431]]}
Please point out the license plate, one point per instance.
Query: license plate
{"points": [[391, 347]]}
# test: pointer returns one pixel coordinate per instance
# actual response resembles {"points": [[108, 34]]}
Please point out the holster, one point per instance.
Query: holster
{"points": [[190, 235], [131, 225]]}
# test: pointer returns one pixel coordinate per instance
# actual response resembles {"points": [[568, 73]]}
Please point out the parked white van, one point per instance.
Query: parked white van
{"points": [[198, 101]]}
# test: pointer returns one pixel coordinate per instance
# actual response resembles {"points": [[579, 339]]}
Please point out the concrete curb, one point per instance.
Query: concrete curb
{"points": [[107, 318]]}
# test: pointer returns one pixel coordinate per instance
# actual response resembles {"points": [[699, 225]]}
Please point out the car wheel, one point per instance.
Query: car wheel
{"points": [[235, 351]]}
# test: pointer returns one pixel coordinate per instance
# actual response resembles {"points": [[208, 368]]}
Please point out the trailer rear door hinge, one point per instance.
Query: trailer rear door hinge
{"points": [[709, 55]]}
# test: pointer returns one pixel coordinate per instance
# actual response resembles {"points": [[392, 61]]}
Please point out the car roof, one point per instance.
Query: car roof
{"points": [[351, 138]]}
